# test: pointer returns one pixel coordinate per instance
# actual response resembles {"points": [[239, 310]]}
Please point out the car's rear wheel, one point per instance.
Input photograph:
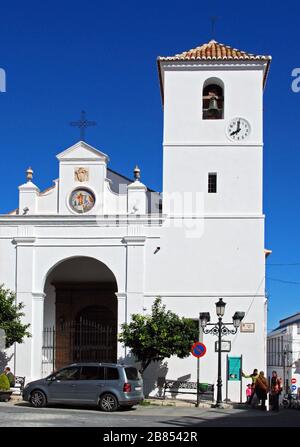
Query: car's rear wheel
{"points": [[38, 399], [108, 402]]}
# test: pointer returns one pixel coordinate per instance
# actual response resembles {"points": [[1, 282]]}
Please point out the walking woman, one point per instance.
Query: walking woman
{"points": [[275, 391], [261, 389]]}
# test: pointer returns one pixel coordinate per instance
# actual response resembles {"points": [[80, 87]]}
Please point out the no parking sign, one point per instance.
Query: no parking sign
{"points": [[198, 349]]}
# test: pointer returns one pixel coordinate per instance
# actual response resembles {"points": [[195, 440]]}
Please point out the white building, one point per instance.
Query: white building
{"points": [[81, 249], [283, 352]]}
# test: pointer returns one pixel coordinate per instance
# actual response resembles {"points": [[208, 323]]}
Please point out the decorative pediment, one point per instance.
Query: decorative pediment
{"points": [[82, 151]]}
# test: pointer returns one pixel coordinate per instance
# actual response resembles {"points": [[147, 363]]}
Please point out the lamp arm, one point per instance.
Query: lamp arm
{"points": [[224, 329], [214, 324]]}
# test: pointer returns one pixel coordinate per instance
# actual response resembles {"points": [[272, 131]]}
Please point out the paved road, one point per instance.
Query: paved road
{"points": [[22, 415]]}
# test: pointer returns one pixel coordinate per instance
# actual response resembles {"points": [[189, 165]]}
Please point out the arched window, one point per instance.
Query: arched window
{"points": [[213, 99]]}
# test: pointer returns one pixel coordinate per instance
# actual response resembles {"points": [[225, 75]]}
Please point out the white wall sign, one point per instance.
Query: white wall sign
{"points": [[247, 327], [225, 346]]}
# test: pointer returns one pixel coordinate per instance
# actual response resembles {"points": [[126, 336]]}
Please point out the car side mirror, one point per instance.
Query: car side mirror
{"points": [[51, 378]]}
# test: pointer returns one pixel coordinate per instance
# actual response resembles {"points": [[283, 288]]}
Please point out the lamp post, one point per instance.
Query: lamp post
{"points": [[220, 329], [285, 364]]}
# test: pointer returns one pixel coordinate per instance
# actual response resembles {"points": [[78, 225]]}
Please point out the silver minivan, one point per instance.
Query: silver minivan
{"points": [[108, 385]]}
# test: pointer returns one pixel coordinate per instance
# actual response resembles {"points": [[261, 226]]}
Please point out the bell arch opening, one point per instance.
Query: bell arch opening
{"points": [[213, 99], [80, 314]]}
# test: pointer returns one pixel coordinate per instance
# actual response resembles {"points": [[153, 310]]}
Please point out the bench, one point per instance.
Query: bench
{"points": [[19, 385], [206, 390]]}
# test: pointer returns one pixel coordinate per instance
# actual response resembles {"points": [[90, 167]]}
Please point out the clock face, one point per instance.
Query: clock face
{"points": [[238, 129], [82, 200]]}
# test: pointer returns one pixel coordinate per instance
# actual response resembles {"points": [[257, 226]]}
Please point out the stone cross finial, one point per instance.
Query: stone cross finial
{"points": [[137, 173], [29, 174]]}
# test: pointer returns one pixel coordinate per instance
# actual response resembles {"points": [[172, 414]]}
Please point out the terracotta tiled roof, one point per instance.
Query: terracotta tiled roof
{"points": [[214, 51], [210, 52]]}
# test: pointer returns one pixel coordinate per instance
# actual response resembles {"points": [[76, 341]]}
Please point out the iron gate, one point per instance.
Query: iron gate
{"points": [[78, 341]]}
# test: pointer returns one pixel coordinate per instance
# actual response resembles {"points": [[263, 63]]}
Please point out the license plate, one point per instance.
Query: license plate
{"points": [[138, 388]]}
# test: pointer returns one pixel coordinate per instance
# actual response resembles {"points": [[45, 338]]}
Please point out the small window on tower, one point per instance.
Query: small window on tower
{"points": [[212, 182], [213, 99]]}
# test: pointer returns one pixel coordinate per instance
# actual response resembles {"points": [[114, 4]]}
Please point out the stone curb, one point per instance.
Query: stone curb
{"points": [[179, 403], [160, 403]]}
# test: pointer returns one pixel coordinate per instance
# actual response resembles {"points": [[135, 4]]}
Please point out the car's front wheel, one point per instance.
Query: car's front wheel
{"points": [[108, 402], [38, 399]]}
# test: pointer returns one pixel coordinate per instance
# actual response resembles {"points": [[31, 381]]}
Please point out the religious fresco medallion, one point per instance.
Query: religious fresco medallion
{"points": [[82, 200]]}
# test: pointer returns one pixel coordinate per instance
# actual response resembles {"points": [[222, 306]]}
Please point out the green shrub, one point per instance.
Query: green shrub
{"points": [[4, 383]]}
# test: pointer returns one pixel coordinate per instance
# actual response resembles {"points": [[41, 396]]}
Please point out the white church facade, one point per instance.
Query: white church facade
{"points": [[97, 247]]}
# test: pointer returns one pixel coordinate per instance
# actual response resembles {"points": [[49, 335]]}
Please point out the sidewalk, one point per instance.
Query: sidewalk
{"points": [[14, 399]]}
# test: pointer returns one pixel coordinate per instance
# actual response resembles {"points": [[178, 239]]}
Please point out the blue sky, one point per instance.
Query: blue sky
{"points": [[100, 56]]}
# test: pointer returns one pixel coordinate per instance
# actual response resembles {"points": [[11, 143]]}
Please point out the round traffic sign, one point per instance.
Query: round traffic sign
{"points": [[294, 387], [198, 349], [294, 380]]}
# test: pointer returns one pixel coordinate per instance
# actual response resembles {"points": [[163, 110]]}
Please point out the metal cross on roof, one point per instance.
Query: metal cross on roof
{"points": [[83, 123]]}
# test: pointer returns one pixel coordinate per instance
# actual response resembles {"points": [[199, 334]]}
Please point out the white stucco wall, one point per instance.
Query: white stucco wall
{"points": [[183, 85]]}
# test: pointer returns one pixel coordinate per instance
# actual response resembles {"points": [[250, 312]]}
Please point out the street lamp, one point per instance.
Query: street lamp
{"points": [[285, 363], [220, 329], [220, 307]]}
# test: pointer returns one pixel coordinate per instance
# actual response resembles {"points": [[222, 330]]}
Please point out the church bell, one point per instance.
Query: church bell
{"points": [[213, 107]]}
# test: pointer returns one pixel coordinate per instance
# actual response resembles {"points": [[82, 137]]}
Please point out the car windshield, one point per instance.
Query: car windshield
{"points": [[132, 373]]}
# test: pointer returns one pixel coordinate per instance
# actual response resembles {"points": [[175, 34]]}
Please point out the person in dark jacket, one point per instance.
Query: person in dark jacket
{"points": [[261, 389], [275, 391]]}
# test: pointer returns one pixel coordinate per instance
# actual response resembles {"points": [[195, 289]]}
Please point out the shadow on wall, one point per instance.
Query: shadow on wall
{"points": [[154, 376], [4, 360], [154, 379]]}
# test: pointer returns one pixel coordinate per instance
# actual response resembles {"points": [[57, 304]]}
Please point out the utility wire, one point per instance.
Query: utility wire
{"points": [[283, 281], [276, 265]]}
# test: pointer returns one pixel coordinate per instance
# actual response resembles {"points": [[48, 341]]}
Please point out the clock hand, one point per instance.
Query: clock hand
{"points": [[238, 128], [236, 131]]}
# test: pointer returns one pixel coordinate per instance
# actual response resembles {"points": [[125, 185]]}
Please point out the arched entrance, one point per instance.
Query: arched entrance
{"points": [[80, 320]]}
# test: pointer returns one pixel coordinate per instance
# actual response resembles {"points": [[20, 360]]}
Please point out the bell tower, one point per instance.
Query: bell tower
{"points": [[212, 98]]}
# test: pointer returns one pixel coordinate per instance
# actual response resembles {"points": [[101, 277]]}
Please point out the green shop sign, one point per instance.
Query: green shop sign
{"points": [[234, 368]]}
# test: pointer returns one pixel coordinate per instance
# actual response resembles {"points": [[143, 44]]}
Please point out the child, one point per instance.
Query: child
{"points": [[248, 392]]}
